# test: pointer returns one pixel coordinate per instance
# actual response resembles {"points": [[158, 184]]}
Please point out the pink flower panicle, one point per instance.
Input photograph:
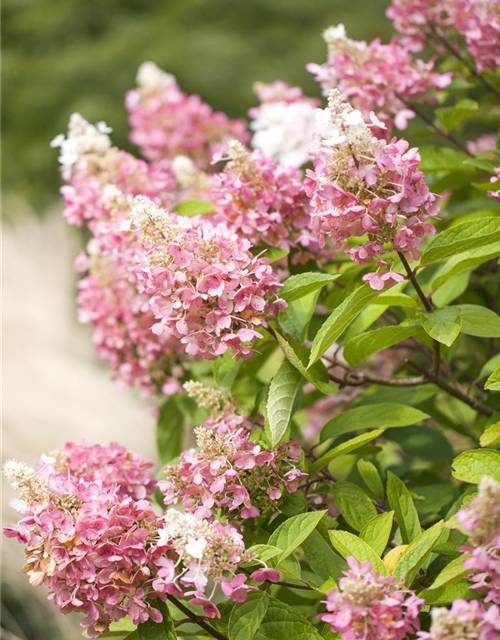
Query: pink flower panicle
{"points": [[412, 18], [225, 416], [495, 178], [467, 620], [479, 22], [364, 186], [262, 200], [369, 605], [204, 286], [231, 473], [283, 123], [166, 122], [378, 78], [110, 464], [480, 518]]}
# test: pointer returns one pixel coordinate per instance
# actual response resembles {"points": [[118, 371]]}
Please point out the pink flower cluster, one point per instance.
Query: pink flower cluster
{"points": [[166, 122], [364, 186], [369, 605], [283, 122], [480, 518], [469, 620], [262, 200], [109, 464], [413, 17], [496, 178], [225, 416], [204, 286], [479, 22], [378, 78], [232, 473]]}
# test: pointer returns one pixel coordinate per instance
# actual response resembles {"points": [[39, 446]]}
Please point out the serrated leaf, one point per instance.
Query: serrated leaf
{"points": [[462, 237], [479, 321], [453, 571], [414, 556], [291, 533], [344, 448], [169, 430], [347, 544], [448, 593], [282, 392], [384, 415], [265, 551], [354, 505], [465, 261], [493, 382], [366, 344], [283, 622], [377, 532], [246, 617], [164, 630], [302, 284], [490, 436], [321, 557], [193, 207], [471, 466], [339, 320], [402, 504], [443, 324], [443, 159], [371, 477]]}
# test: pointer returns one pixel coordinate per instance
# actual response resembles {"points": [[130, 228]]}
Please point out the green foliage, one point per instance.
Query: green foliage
{"points": [[246, 617], [404, 509], [164, 630], [282, 392], [471, 466], [292, 533], [169, 430]]}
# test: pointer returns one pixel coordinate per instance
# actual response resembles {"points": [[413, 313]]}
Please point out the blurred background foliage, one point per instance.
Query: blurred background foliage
{"points": [[61, 56]]}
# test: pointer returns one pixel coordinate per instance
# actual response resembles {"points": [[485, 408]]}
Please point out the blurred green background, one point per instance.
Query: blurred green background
{"points": [[61, 56]]}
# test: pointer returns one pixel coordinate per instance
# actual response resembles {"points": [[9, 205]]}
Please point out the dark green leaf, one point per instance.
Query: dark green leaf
{"points": [[247, 616], [354, 505], [169, 430], [282, 391], [403, 507], [366, 344]]}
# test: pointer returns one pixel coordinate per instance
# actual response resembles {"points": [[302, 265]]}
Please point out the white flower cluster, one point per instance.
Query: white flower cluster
{"points": [[151, 78]]}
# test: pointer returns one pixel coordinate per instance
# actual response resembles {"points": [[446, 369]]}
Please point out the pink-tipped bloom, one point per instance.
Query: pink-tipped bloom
{"points": [[166, 122], [362, 187], [369, 605], [233, 474], [480, 519], [283, 122], [496, 178], [467, 620], [266, 575], [412, 18], [379, 79], [204, 286], [479, 22]]}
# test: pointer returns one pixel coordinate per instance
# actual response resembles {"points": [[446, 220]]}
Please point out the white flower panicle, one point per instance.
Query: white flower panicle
{"points": [[151, 78]]}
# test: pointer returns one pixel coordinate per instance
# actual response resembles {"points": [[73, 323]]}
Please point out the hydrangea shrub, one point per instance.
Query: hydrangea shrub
{"points": [[308, 302]]}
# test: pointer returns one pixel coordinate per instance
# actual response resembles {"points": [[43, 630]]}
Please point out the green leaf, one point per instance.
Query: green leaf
{"points": [[490, 436], [284, 622], [403, 507], [192, 208], [246, 617], [479, 321], [282, 392], [347, 544], [321, 557], [354, 505], [377, 532], [453, 570], [302, 284], [471, 466], [371, 477], [295, 319], [226, 369], [384, 415], [435, 159], [443, 324], [451, 116], [451, 289], [462, 237], [292, 533], [366, 344], [164, 630], [394, 299], [344, 448], [447, 593], [465, 261], [490, 366], [265, 551], [414, 556], [169, 430], [340, 319], [493, 382]]}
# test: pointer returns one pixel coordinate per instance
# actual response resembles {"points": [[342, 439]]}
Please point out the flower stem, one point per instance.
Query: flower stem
{"points": [[196, 619]]}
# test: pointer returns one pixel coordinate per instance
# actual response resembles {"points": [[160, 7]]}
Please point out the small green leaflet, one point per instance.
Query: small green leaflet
{"points": [[464, 261], [443, 325], [493, 382], [265, 551], [192, 208], [169, 430], [347, 544], [366, 344], [471, 466], [447, 593], [403, 507], [491, 435], [246, 616], [479, 321], [354, 505], [377, 531], [345, 448], [302, 284], [282, 392], [226, 369], [283, 622], [414, 556], [291, 533], [371, 477], [321, 557], [453, 571], [462, 237], [338, 321], [384, 415]]}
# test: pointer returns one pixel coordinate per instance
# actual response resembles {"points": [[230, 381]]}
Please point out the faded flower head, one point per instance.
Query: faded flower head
{"points": [[464, 621], [225, 416]]}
